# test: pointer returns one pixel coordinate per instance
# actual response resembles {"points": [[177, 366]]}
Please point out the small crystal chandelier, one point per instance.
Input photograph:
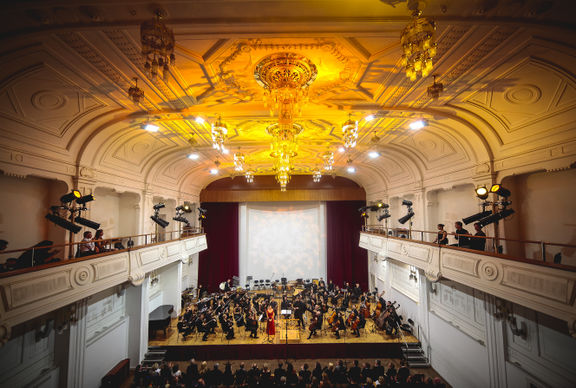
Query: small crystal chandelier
{"points": [[328, 158], [418, 45], [249, 175], [316, 176], [283, 168], [238, 161], [157, 45], [350, 133], [219, 133], [435, 89], [135, 93]]}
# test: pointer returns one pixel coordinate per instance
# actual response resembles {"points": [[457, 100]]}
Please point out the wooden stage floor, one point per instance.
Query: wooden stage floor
{"points": [[367, 336]]}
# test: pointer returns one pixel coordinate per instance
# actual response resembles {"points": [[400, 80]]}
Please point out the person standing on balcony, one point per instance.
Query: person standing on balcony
{"points": [[478, 243]]}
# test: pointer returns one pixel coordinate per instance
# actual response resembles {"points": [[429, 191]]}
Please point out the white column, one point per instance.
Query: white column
{"points": [[495, 344], [423, 311], [77, 346]]}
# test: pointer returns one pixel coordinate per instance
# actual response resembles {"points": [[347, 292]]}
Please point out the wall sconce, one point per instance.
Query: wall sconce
{"points": [[413, 273], [433, 288]]}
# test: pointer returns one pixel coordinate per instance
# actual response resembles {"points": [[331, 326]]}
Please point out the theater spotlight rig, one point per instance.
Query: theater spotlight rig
{"points": [[500, 208], [408, 216], [156, 217]]}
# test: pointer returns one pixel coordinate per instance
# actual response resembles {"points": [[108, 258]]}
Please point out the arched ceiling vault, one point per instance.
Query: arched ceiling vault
{"points": [[505, 70]]}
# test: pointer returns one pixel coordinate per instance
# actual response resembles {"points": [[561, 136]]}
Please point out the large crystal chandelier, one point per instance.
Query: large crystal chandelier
{"points": [[219, 134], [285, 78], [249, 175], [350, 133], [238, 161], [418, 45], [157, 45]]}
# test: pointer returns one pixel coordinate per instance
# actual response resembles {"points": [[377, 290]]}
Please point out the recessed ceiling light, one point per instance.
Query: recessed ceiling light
{"points": [[214, 171], [151, 127], [193, 156], [199, 120], [225, 151], [418, 124], [369, 117], [351, 169], [341, 149], [373, 154]]}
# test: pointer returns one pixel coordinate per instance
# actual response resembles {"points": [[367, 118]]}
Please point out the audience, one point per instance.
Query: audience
{"points": [[170, 375], [478, 244], [462, 241], [88, 247]]}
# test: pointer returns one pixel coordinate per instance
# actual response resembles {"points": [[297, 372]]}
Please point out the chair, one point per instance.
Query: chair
{"points": [[268, 284]]}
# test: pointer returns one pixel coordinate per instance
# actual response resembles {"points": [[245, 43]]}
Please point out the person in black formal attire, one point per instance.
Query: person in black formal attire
{"points": [[476, 243], [378, 370], [463, 241], [299, 309], [442, 237], [240, 376], [228, 377], [279, 372], [354, 372]]}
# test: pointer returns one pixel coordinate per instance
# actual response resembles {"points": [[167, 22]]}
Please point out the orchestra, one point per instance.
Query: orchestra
{"points": [[341, 309]]}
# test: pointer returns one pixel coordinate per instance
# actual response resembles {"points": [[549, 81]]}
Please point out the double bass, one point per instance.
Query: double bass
{"points": [[353, 321]]}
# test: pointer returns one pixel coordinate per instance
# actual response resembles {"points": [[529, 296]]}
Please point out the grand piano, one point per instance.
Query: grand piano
{"points": [[159, 319]]}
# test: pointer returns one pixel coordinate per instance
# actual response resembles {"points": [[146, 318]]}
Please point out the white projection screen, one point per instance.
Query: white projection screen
{"points": [[282, 239]]}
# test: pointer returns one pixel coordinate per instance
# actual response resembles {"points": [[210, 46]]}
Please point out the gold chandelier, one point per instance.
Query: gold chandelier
{"points": [[285, 78], [219, 134], [317, 175], [419, 46], [328, 159], [249, 175], [350, 133], [157, 45]]}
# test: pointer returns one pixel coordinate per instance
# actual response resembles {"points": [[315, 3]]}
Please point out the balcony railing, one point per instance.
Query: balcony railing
{"points": [[40, 256], [540, 251]]}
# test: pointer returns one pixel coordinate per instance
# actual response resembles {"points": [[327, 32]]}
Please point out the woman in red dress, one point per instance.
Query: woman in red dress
{"points": [[270, 327]]}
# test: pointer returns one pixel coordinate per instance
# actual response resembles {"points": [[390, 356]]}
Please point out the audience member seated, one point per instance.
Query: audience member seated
{"points": [[476, 243], [99, 242], [37, 255]]}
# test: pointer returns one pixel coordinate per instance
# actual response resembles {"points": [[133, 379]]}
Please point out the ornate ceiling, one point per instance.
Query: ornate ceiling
{"points": [[506, 67]]}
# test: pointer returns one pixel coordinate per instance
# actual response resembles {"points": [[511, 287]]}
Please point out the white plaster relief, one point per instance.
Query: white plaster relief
{"points": [[465, 265], [24, 292], [552, 287]]}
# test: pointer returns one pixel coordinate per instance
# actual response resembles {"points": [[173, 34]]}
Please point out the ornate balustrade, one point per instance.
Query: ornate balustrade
{"points": [[544, 287], [30, 293]]}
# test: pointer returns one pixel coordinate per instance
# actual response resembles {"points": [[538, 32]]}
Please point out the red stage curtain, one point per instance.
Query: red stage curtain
{"points": [[220, 261], [346, 261]]}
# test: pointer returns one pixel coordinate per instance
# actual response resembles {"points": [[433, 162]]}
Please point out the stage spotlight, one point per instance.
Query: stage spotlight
{"points": [[364, 215], [202, 213], [374, 208], [87, 223], [159, 206], [63, 223], [499, 190], [186, 208], [85, 199], [71, 196], [384, 216], [482, 192], [162, 223], [496, 217], [405, 202], [406, 217], [476, 217], [362, 209], [181, 219]]}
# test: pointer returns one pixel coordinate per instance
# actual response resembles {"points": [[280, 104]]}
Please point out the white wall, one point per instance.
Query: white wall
{"points": [[25, 202], [116, 212], [545, 209]]}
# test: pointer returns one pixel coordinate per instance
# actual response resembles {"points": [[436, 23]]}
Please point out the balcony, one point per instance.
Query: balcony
{"points": [[542, 286], [31, 292]]}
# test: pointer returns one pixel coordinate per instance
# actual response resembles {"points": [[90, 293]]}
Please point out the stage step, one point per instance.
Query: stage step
{"points": [[155, 354], [415, 356]]}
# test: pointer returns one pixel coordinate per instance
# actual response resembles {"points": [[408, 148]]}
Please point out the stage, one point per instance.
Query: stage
{"points": [[371, 344]]}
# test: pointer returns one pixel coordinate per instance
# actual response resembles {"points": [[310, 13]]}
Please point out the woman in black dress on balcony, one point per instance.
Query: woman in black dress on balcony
{"points": [[442, 237]]}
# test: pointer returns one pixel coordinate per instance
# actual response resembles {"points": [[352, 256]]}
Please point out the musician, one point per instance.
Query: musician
{"points": [[228, 327], [338, 325], [299, 309], [330, 286], [354, 322], [356, 292], [313, 324], [270, 326], [285, 305], [228, 285], [252, 324]]}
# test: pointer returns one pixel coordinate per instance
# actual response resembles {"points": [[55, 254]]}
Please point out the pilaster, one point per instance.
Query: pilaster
{"points": [[495, 344], [77, 345]]}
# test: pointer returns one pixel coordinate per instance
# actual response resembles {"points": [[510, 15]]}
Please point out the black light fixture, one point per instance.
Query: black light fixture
{"points": [[482, 192], [410, 214], [159, 206], [499, 190], [384, 216], [181, 219], [362, 209], [87, 223], [476, 217], [202, 213], [71, 196], [85, 199], [496, 217], [63, 223], [403, 220], [162, 223]]}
